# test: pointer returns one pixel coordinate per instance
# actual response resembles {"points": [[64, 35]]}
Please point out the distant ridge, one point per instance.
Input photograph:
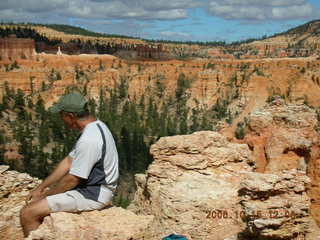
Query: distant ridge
{"points": [[312, 27], [309, 27], [74, 30], [300, 41]]}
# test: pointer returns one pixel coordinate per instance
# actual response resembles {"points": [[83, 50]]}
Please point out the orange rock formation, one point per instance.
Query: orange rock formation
{"points": [[16, 48]]}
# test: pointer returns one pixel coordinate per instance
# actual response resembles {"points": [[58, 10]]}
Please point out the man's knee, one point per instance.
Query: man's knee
{"points": [[27, 213], [35, 210], [24, 213]]}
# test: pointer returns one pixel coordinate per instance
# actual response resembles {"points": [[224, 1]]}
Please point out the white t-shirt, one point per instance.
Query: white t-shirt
{"points": [[95, 159]]}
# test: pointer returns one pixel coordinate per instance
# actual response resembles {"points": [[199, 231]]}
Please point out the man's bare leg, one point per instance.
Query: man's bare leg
{"points": [[31, 215]]}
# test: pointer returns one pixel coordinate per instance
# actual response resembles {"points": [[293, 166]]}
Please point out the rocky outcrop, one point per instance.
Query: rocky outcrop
{"points": [[16, 48], [203, 185], [285, 133], [191, 177], [276, 206], [14, 187], [283, 137], [112, 223]]}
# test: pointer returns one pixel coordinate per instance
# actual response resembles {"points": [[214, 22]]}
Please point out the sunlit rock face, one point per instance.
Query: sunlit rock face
{"points": [[16, 48], [203, 185], [114, 223], [14, 187], [283, 137], [276, 206], [191, 177]]}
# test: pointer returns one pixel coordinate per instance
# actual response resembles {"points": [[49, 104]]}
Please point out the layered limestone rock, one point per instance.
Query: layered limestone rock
{"points": [[276, 206], [192, 177], [283, 137], [112, 223], [14, 187], [205, 186], [285, 133], [16, 48]]}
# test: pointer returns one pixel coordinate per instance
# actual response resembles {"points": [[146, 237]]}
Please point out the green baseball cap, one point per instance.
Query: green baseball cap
{"points": [[72, 102]]}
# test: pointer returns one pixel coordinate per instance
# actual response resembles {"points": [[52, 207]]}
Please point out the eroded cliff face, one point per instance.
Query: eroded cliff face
{"points": [[244, 84], [205, 186], [213, 189], [284, 136], [16, 48]]}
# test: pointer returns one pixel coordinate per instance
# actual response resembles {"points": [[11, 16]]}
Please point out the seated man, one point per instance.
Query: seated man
{"points": [[86, 179]]}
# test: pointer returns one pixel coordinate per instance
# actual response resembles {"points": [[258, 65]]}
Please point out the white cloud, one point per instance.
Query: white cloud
{"points": [[99, 9], [156, 5], [259, 10], [237, 12], [256, 10], [174, 34], [118, 10], [293, 12], [33, 5], [265, 2]]}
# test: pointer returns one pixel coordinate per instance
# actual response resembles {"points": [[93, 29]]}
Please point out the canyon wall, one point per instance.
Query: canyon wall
{"points": [[16, 48], [244, 84]]}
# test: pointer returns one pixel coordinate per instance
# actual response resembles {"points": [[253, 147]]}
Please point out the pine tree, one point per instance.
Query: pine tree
{"points": [[19, 99], [126, 146]]}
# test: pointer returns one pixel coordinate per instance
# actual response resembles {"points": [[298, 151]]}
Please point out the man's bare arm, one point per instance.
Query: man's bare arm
{"points": [[66, 183], [60, 171]]}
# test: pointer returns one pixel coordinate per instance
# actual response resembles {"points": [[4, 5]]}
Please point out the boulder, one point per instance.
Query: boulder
{"points": [[204, 186], [282, 136], [114, 223], [14, 187], [192, 178], [285, 136], [276, 206]]}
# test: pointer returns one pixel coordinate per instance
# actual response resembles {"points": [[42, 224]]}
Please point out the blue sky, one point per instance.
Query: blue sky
{"points": [[183, 20]]}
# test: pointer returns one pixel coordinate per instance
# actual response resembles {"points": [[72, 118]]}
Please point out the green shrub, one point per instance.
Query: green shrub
{"points": [[240, 130]]}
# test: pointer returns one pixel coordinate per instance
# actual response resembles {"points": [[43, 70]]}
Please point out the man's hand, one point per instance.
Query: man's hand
{"points": [[35, 194], [60, 171]]}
